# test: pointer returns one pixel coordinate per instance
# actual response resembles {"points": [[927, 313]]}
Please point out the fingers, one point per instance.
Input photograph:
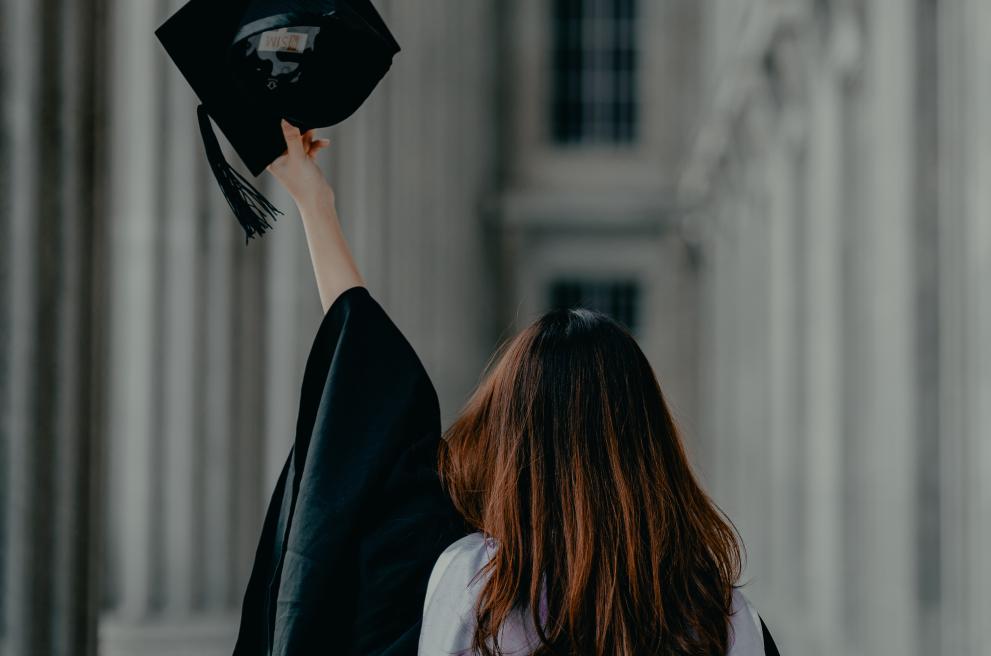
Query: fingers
{"points": [[315, 146], [300, 144], [294, 140], [309, 137]]}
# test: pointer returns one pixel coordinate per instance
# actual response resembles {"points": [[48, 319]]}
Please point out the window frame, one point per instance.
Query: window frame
{"points": [[535, 161]]}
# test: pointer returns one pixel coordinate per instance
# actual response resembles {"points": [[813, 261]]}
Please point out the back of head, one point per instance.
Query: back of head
{"points": [[568, 456]]}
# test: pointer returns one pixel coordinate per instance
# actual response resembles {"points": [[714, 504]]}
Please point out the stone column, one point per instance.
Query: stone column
{"points": [[135, 112], [888, 427], [750, 334], [52, 220], [181, 270], [820, 307], [784, 177], [965, 326]]}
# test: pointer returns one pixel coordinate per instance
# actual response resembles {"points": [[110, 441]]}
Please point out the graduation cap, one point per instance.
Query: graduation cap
{"points": [[254, 62]]}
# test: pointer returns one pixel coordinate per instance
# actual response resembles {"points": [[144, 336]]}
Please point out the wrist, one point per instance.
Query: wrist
{"points": [[321, 197]]}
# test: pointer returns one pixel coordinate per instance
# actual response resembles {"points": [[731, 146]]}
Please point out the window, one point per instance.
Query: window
{"points": [[594, 96], [620, 299]]}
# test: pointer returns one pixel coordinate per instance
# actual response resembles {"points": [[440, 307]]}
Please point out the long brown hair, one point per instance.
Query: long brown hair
{"points": [[568, 456]]}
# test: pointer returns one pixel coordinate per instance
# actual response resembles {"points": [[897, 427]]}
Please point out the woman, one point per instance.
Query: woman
{"points": [[592, 535]]}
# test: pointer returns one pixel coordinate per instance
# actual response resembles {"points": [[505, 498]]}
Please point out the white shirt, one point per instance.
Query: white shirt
{"points": [[449, 609]]}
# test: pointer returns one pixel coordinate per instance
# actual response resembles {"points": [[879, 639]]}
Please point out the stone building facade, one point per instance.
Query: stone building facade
{"points": [[784, 199]]}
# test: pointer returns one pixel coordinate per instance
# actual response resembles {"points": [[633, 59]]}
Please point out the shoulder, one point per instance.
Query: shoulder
{"points": [[457, 566], [452, 591], [449, 606], [746, 636]]}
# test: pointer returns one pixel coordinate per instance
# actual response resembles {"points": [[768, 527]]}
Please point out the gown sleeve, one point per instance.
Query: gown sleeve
{"points": [[358, 516]]}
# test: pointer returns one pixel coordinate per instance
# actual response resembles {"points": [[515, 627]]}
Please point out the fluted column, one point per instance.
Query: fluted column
{"points": [[888, 373], [181, 275], [134, 110], [820, 309], [52, 218], [965, 326], [220, 238], [784, 176]]}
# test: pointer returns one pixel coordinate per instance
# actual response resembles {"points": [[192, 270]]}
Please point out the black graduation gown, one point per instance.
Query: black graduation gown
{"points": [[358, 516]]}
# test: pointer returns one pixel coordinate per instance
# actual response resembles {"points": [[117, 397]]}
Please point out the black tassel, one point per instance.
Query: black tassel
{"points": [[250, 207]]}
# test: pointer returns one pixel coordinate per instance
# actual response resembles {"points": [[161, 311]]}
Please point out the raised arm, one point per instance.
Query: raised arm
{"points": [[297, 171]]}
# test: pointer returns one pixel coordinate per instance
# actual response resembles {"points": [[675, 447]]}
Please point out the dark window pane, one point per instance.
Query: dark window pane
{"points": [[594, 59]]}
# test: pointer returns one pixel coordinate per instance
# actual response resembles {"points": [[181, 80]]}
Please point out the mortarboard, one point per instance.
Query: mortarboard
{"points": [[254, 62]]}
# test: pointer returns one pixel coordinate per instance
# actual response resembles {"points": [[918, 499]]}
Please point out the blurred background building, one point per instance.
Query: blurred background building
{"points": [[787, 201]]}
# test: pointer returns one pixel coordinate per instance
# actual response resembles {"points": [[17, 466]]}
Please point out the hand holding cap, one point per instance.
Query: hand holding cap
{"points": [[251, 62]]}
